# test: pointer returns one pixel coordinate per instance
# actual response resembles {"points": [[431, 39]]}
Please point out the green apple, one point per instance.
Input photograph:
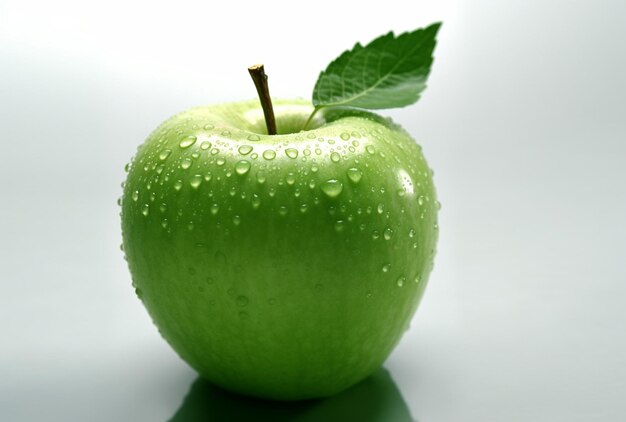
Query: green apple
{"points": [[281, 266]]}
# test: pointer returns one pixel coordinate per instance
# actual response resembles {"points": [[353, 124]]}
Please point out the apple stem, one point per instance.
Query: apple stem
{"points": [[257, 72], [308, 121]]}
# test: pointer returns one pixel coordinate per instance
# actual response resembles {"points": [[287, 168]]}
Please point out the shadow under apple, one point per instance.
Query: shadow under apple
{"points": [[376, 399]]}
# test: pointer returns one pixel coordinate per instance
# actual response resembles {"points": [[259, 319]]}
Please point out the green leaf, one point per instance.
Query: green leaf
{"points": [[389, 72]]}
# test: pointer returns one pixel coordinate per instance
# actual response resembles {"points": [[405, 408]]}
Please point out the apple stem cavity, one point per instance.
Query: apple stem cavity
{"points": [[257, 72]]}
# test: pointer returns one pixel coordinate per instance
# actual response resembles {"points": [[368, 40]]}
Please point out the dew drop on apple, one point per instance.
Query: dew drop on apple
{"points": [[220, 161], [370, 149], [375, 234], [335, 157], [145, 209], [164, 223], [185, 163], [412, 233], [417, 279], [304, 208], [205, 145], [253, 138], [345, 136], [190, 226], [380, 208], [255, 201], [178, 184], [283, 210], [400, 281], [290, 179], [314, 168], [196, 180], [164, 154], [269, 154], [187, 141], [236, 220], [388, 233], [242, 301], [208, 126], [340, 226], [163, 207], [332, 188], [260, 177], [135, 195], [242, 167], [386, 268], [245, 149], [355, 175], [291, 152], [420, 200]]}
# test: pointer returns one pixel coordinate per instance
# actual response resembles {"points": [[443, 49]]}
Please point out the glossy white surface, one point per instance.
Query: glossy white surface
{"points": [[523, 122]]}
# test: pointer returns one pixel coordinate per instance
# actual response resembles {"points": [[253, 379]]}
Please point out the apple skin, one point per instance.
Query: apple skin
{"points": [[286, 266]]}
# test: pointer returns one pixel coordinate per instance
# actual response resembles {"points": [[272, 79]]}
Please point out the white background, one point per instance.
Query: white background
{"points": [[524, 122]]}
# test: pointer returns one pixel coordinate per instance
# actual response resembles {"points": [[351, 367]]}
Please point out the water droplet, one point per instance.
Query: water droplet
{"points": [[164, 154], [185, 163], [345, 136], [414, 245], [145, 209], [332, 188], [139, 293], [135, 195], [355, 175], [225, 133], [340, 225], [400, 281], [388, 233], [215, 208], [208, 126], [245, 149], [236, 220], [375, 234], [260, 177], [205, 145], [164, 223], [438, 204], [242, 301], [290, 179], [412, 233], [370, 149], [208, 176], [220, 161], [242, 167], [187, 141], [303, 208], [417, 279], [190, 226], [420, 200], [282, 210], [314, 168], [386, 268], [178, 184], [269, 154], [401, 192], [380, 208], [195, 180], [253, 138], [255, 200], [291, 152], [335, 157]]}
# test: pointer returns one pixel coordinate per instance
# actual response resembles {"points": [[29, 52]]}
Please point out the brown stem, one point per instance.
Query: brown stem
{"points": [[262, 88]]}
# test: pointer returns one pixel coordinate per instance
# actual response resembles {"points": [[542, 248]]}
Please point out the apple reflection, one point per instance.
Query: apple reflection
{"points": [[376, 399]]}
